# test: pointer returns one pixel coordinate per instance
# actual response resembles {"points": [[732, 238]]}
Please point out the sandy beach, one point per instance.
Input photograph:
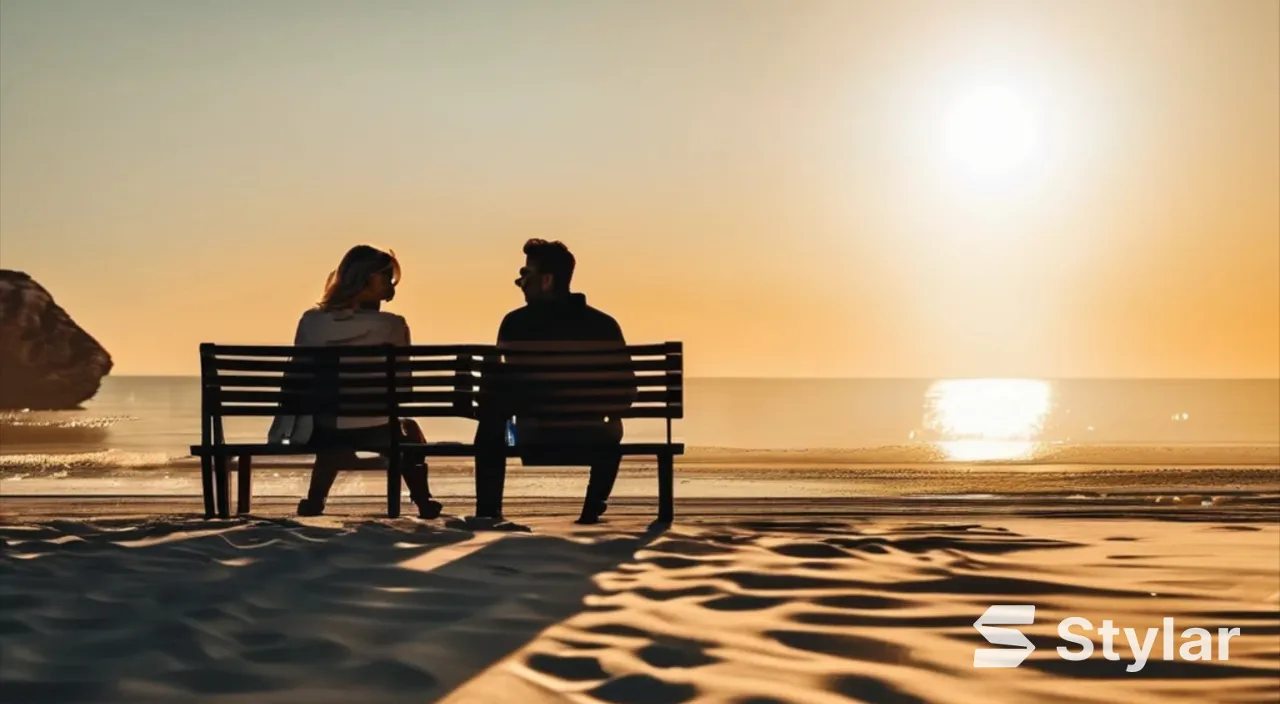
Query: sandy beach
{"points": [[759, 599], [960, 322]]}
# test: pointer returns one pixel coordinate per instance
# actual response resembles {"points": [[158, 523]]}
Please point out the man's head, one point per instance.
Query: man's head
{"points": [[547, 270]]}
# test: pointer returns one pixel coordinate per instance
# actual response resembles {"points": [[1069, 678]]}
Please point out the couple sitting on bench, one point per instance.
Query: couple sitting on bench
{"points": [[552, 318]]}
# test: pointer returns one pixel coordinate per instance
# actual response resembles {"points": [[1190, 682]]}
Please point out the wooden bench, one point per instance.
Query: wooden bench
{"points": [[416, 382]]}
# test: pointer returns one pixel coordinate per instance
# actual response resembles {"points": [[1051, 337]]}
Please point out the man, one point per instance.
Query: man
{"points": [[527, 386]]}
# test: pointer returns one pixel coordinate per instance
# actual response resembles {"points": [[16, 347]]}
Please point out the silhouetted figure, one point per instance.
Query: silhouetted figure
{"points": [[349, 314], [552, 318]]}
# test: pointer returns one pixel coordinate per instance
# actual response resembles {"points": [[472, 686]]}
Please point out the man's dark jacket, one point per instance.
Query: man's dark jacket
{"points": [[562, 320], [541, 325]]}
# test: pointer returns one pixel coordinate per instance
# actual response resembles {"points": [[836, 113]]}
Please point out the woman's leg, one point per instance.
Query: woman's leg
{"points": [[415, 469], [414, 472], [323, 474], [333, 450]]}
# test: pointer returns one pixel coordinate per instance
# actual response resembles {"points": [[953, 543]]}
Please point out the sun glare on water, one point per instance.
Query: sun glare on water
{"points": [[987, 419]]}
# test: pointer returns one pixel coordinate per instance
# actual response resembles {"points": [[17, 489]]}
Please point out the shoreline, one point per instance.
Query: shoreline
{"points": [[1189, 489], [639, 481], [1229, 506]]}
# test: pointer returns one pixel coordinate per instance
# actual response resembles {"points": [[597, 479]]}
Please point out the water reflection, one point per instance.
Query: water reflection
{"points": [[987, 419]]}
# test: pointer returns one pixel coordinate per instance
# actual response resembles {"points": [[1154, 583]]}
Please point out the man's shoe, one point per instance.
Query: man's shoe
{"points": [[307, 507], [592, 516], [494, 523]]}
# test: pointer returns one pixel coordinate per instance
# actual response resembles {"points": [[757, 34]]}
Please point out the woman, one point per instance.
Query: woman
{"points": [[348, 314]]}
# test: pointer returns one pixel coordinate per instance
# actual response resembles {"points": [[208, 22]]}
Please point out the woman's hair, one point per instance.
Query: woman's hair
{"points": [[352, 275]]}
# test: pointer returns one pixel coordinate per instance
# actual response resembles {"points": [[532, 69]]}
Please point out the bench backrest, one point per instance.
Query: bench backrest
{"points": [[567, 384], [568, 381]]}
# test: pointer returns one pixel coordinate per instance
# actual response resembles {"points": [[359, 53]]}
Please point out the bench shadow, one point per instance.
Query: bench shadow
{"points": [[279, 610]]}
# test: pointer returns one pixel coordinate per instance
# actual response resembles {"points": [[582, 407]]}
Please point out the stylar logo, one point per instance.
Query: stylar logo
{"points": [[1004, 615]]}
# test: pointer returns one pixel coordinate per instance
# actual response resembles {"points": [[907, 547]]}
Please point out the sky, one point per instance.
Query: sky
{"points": [[801, 188]]}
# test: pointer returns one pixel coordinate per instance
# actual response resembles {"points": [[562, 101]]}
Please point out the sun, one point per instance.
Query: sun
{"points": [[990, 131]]}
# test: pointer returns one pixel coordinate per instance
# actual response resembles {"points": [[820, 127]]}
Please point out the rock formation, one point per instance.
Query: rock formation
{"points": [[46, 360]]}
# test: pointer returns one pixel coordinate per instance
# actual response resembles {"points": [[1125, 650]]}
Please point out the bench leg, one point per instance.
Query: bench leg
{"points": [[666, 485], [206, 485], [223, 480], [244, 484], [393, 485]]}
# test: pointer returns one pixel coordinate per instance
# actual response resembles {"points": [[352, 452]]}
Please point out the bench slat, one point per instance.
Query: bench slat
{"points": [[328, 399], [567, 349], [431, 450], [323, 400], [584, 413], [366, 366], [636, 365], [607, 385], [289, 351], [414, 411], [354, 365], [279, 381]]}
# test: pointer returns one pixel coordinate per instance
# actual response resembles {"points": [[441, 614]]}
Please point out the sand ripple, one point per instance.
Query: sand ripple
{"points": [[727, 611], [817, 612]]}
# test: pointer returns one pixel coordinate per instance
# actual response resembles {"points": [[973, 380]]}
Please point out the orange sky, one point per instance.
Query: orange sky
{"points": [[775, 183]]}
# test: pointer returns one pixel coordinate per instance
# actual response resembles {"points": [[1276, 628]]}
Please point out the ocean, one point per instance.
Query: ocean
{"points": [[140, 422]]}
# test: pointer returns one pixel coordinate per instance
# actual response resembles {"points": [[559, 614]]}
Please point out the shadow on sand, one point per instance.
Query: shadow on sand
{"points": [[277, 610]]}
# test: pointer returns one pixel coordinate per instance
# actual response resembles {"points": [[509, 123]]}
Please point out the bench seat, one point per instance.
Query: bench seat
{"points": [[432, 449]]}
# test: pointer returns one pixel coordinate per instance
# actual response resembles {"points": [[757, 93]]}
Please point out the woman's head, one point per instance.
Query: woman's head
{"points": [[365, 275]]}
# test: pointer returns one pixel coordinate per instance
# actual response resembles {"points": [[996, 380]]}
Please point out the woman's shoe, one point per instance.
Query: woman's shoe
{"points": [[307, 507], [430, 509]]}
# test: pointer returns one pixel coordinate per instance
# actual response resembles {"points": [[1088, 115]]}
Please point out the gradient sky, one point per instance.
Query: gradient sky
{"points": [[767, 180]]}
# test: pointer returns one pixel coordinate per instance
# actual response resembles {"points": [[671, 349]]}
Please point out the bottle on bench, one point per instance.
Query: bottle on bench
{"points": [[511, 432]]}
